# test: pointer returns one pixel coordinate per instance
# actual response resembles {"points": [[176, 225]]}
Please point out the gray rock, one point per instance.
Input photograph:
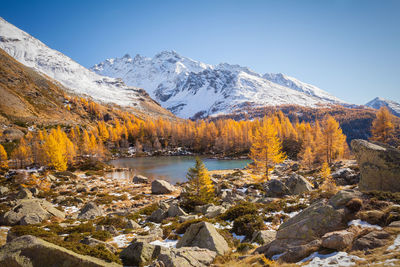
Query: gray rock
{"points": [[379, 166], [90, 211], [297, 184], [371, 240], [140, 179], [4, 190], [338, 240], [162, 187], [276, 188], [204, 235], [28, 251], [187, 218], [131, 224], [34, 191], [187, 256], [24, 193], [140, 254], [263, 237], [395, 224], [343, 196], [312, 222], [32, 209], [158, 215], [175, 211], [214, 211]]}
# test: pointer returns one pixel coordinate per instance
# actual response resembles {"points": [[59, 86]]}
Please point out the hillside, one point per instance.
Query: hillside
{"points": [[73, 77], [192, 89], [379, 102]]}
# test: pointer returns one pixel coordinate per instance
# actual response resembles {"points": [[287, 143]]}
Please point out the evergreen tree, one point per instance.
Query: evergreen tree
{"points": [[200, 188]]}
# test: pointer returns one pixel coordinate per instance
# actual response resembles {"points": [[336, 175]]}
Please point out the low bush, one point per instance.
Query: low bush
{"points": [[247, 225], [116, 221], [102, 235], [241, 209]]}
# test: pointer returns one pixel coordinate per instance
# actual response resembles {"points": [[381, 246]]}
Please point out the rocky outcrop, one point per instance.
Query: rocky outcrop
{"points": [[263, 237], [139, 254], [94, 242], [338, 240], [31, 211], [28, 251], [379, 166], [24, 193], [90, 211], [371, 240], [204, 235], [162, 187]]}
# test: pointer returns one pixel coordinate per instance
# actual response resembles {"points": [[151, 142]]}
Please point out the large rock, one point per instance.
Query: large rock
{"points": [[338, 240], [95, 242], [374, 239], [204, 235], [162, 187], [345, 176], [28, 251], [31, 211], [24, 193], [297, 184], [313, 222], [175, 211], [276, 188], [90, 211], [344, 196], [4, 190], [140, 179], [263, 237], [214, 211], [139, 254], [188, 256], [379, 166]]}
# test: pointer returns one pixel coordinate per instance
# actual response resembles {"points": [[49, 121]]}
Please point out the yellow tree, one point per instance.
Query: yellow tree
{"points": [[199, 187], [382, 127], [22, 153], [333, 141], [3, 158], [266, 150]]}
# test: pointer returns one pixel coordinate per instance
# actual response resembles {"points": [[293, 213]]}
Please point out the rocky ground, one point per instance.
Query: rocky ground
{"points": [[87, 219]]}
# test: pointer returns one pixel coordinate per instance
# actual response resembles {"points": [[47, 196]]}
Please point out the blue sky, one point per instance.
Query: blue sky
{"points": [[349, 48]]}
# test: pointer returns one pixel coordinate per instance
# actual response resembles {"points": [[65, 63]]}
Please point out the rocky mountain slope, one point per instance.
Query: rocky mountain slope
{"points": [[68, 73], [379, 102], [191, 88]]}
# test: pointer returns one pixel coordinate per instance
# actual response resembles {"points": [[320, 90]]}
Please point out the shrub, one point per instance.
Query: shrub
{"points": [[102, 235], [148, 210], [117, 222], [81, 228], [181, 228], [296, 207], [247, 224], [239, 210], [244, 247], [354, 205]]}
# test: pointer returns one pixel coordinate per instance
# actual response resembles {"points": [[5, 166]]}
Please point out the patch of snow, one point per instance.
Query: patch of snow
{"points": [[395, 245], [333, 259], [71, 209], [239, 237], [277, 256], [364, 224], [168, 243], [122, 240]]}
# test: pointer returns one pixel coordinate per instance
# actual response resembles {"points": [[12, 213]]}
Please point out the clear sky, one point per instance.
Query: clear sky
{"points": [[349, 48]]}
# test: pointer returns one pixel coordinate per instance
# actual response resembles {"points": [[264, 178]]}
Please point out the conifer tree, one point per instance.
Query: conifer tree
{"points": [[200, 188], [266, 150], [333, 140], [22, 154], [3, 158], [382, 126]]}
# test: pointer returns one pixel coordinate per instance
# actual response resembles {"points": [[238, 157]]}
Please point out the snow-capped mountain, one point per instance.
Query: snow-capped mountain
{"points": [[76, 78], [379, 102], [191, 88]]}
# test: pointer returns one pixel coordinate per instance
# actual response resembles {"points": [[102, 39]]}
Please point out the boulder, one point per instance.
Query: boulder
{"points": [[95, 242], [187, 256], [263, 237], [140, 254], [337, 240], [31, 211], [154, 234], [343, 196], [162, 187], [131, 224], [214, 211], [24, 193], [140, 179], [374, 239], [289, 250], [27, 251], [158, 215], [90, 211], [379, 166], [4, 190], [204, 235], [395, 224], [312, 222], [188, 218], [297, 184], [34, 191], [231, 197], [345, 176], [174, 211], [12, 134], [109, 228], [276, 188]]}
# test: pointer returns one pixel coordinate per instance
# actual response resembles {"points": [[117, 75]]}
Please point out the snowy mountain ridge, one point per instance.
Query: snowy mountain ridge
{"points": [[190, 88], [76, 78], [379, 102]]}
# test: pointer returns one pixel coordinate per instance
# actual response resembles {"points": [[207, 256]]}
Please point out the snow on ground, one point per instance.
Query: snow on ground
{"points": [[333, 259], [364, 224], [122, 240], [168, 243], [239, 237], [71, 209], [396, 244]]}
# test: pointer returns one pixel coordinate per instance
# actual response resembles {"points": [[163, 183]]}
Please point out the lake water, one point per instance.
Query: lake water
{"points": [[173, 168]]}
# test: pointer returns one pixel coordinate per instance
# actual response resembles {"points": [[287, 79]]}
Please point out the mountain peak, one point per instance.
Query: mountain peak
{"points": [[379, 102]]}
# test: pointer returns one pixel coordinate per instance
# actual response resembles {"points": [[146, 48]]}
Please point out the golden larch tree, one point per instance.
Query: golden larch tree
{"points": [[382, 126], [333, 141], [3, 158], [22, 154], [266, 150]]}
